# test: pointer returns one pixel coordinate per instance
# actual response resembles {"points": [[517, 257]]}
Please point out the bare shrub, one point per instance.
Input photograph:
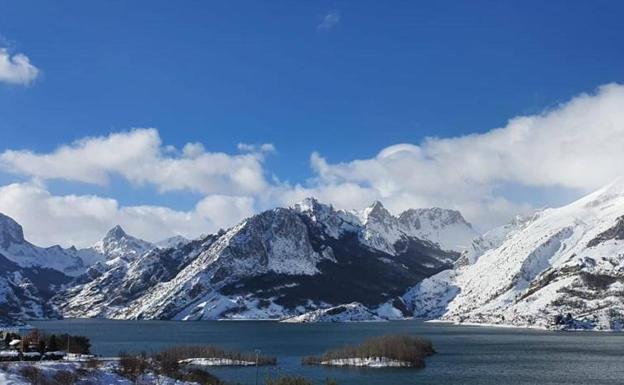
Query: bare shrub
{"points": [[93, 363], [131, 366], [288, 381], [201, 377], [32, 374], [65, 377]]}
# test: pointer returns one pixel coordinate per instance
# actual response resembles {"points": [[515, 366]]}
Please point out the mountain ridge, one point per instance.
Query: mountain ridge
{"points": [[563, 268], [281, 262]]}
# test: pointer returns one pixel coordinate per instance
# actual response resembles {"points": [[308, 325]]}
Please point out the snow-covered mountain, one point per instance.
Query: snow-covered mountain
{"points": [[282, 262], [17, 249], [561, 268], [446, 228], [175, 241], [118, 244], [25, 291]]}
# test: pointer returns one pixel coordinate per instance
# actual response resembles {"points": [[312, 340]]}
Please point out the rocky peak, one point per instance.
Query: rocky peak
{"points": [[435, 216], [10, 232], [376, 212], [117, 243], [116, 232]]}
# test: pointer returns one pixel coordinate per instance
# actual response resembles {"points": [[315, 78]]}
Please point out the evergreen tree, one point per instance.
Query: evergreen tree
{"points": [[53, 345]]}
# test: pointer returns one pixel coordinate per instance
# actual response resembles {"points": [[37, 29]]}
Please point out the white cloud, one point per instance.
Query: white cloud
{"points": [[266, 148], [329, 20], [139, 157], [226, 211], [82, 220], [16, 69], [575, 147]]}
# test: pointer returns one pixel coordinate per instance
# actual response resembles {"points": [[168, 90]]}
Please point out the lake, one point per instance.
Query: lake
{"points": [[466, 354]]}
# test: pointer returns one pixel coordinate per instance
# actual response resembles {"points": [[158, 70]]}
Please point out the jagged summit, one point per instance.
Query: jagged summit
{"points": [[312, 206], [118, 244], [436, 215], [10, 231], [281, 262], [445, 227], [116, 232], [376, 209], [16, 248]]}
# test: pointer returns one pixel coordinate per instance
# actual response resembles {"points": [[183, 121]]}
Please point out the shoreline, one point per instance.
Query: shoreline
{"points": [[284, 321]]}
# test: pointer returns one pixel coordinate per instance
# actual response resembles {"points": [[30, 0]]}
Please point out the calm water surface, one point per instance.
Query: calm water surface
{"points": [[466, 355]]}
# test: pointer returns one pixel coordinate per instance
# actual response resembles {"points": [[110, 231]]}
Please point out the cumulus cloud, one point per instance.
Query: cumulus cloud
{"points": [[329, 20], [575, 147], [82, 220], [16, 69], [139, 157]]}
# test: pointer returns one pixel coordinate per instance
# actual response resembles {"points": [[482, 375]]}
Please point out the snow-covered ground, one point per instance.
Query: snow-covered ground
{"points": [[370, 362], [216, 362], [13, 374]]}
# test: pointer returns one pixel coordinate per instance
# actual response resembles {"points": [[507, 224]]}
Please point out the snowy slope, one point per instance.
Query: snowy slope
{"points": [[446, 228], [107, 288], [175, 241], [352, 312], [25, 291], [14, 247], [71, 261], [563, 268]]}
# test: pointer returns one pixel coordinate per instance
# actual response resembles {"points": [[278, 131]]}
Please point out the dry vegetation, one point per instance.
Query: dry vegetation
{"points": [[184, 352], [294, 381], [36, 376], [133, 367], [410, 349], [168, 363]]}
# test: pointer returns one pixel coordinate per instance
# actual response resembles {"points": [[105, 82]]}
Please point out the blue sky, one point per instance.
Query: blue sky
{"points": [[341, 79]]}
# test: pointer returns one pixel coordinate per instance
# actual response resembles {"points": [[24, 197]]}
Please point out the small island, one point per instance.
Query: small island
{"points": [[398, 351], [205, 355]]}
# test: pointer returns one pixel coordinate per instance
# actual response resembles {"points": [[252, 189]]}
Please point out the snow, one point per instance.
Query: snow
{"points": [[175, 241], [118, 244], [106, 375], [370, 362], [185, 283], [216, 362], [539, 270], [352, 312], [389, 312], [71, 261]]}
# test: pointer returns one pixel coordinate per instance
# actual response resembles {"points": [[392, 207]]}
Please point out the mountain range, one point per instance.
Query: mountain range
{"points": [[558, 268]]}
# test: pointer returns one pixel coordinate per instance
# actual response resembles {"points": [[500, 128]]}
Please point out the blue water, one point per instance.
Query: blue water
{"points": [[466, 355]]}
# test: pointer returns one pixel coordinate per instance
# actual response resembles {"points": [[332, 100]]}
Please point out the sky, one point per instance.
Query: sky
{"points": [[185, 117]]}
